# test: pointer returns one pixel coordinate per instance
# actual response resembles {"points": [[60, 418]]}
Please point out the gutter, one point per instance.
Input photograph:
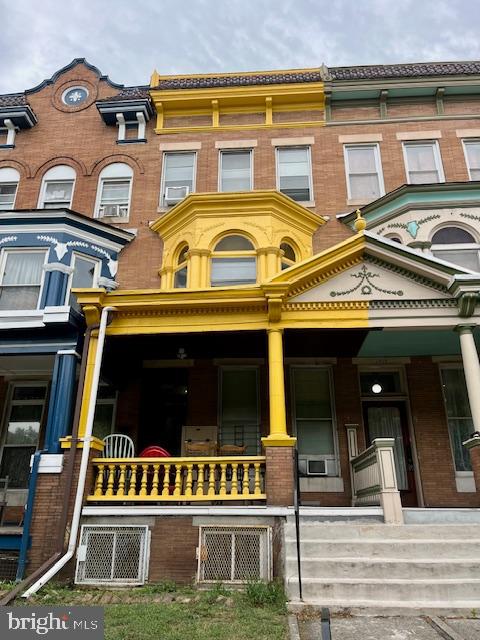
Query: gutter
{"points": [[87, 439]]}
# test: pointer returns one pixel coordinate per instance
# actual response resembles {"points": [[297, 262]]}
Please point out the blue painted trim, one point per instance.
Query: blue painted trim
{"points": [[27, 521], [54, 289], [60, 406], [11, 541], [30, 348]]}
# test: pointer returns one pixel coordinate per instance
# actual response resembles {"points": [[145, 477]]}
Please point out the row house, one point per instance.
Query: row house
{"points": [[272, 279]]}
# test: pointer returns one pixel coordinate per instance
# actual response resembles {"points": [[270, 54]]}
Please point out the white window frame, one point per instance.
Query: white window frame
{"points": [[220, 166], [336, 451], [49, 180], [98, 202], [457, 247], [11, 178], [10, 402], [378, 166], [436, 154], [3, 262], [458, 366], [465, 143], [162, 204], [308, 147], [96, 275]]}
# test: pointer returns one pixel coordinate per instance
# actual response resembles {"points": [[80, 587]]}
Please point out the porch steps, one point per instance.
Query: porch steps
{"points": [[383, 567]]}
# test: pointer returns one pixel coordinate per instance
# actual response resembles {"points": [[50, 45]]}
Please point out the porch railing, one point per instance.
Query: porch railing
{"points": [[373, 477], [178, 479]]}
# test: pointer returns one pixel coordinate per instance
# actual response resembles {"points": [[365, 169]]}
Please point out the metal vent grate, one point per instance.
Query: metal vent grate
{"points": [[113, 555], [234, 554]]}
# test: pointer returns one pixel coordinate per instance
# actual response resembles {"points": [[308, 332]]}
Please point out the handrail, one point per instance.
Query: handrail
{"points": [[185, 479]]}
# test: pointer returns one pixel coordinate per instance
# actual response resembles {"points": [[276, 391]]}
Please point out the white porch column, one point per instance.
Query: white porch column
{"points": [[471, 367]]}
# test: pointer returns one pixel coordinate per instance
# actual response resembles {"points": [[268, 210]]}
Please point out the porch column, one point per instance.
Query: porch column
{"points": [[473, 446], [279, 481], [471, 367], [61, 399]]}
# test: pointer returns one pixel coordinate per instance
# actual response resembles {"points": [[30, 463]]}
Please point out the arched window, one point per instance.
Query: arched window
{"points": [[289, 256], [9, 179], [56, 191], [180, 273], [457, 245], [394, 238], [114, 191], [234, 262]]}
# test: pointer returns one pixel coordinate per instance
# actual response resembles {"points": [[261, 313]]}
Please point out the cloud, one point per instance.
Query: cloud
{"points": [[127, 40]]}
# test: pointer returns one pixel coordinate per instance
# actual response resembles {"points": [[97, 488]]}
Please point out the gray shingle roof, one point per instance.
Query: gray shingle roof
{"points": [[129, 93], [414, 70], [200, 82], [13, 100]]}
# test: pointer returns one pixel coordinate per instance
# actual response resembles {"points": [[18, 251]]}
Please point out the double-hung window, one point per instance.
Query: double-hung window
{"points": [[23, 419], [314, 420], [459, 417], [294, 173], [472, 157], [178, 178], [21, 276], [457, 245], [84, 276], [240, 408], [57, 188], [364, 172], [234, 262], [114, 191], [105, 410], [236, 170], [423, 163], [9, 179]]}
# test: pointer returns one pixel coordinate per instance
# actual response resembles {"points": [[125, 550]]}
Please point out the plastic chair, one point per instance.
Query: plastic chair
{"points": [[154, 451], [118, 445]]}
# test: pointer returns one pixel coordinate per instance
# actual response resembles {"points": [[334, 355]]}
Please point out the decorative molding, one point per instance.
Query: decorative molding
{"points": [[8, 239], [53, 162], [58, 266], [191, 145], [235, 144], [353, 138], [98, 165], [468, 133], [470, 216], [433, 303], [418, 135], [467, 304], [366, 285], [346, 305], [411, 227], [107, 283], [293, 142]]}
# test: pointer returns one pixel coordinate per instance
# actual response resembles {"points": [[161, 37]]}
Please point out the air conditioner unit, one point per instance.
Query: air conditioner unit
{"points": [[113, 210], [113, 555], [175, 194], [317, 467], [234, 554]]}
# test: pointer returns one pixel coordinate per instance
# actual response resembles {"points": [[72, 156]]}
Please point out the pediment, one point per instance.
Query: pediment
{"points": [[369, 280]]}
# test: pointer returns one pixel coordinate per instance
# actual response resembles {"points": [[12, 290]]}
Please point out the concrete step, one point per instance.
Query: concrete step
{"points": [[383, 591], [330, 531], [451, 608], [328, 568]]}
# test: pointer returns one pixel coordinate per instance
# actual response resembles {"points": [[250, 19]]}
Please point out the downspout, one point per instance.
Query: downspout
{"points": [[60, 542], [77, 511]]}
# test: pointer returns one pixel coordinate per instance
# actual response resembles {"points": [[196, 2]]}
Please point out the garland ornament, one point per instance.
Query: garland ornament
{"points": [[365, 285]]}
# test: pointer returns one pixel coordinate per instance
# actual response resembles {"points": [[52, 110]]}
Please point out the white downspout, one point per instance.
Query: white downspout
{"points": [[77, 511]]}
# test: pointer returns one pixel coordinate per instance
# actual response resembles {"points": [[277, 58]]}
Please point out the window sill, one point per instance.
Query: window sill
{"points": [[7, 146], [132, 141], [113, 219]]}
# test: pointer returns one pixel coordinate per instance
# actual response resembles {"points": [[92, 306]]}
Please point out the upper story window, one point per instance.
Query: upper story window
{"points": [[457, 245], [236, 170], [364, 172], [21, 277], [56, 191], [423, 163], [178, 177], [114, 191], [234, 262], [294, 173], [9, 179], [180, 276], [85, 275], [472, 157], [289, 256]]}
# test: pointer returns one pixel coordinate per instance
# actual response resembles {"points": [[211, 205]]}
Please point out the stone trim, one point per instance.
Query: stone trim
{"points": [[235, 144], [468, 133], [293, 142], [418, 135], [180, 146], [360, 137]]}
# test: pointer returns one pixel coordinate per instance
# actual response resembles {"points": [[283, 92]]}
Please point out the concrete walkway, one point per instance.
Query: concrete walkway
{"points": [[386, 628]]}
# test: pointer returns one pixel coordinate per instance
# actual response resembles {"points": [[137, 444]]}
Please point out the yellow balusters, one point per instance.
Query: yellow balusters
{"points": [[156, 469], [200, 479], [188, 484], [178, 480], [99, 481], [110, 479], [121, 480], [257, 491], [246, 480], [223, 479], [143, 488], [166, 480], [133, 481], [234, 489], [211, 480]]}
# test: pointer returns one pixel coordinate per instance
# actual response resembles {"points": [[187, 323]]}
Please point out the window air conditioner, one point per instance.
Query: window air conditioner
{"points": [[175, 194], [317, 468], [113, 210]]}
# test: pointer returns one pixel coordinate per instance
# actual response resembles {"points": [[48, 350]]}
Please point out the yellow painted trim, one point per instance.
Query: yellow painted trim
{"points": [[181, 460], [181, 498], [275, 441], [160, 130], [96, 444], [156, 77], [87, 385], [238, 109]]}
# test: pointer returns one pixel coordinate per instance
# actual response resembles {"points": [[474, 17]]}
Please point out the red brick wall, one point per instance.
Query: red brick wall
{"points": [[431, 435], [172, 550]]}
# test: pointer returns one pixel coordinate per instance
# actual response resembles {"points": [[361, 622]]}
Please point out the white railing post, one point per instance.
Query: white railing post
{"points": [[352, 443], [389, 493]]}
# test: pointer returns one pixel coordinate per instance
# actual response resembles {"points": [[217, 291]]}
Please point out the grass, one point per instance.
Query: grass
{"points": [[165, 612]]}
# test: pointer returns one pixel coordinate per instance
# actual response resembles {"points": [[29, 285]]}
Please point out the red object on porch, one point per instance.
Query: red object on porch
{"points": [[154, 452]]}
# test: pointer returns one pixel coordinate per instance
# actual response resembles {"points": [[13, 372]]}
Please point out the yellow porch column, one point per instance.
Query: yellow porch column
{"points": [[278, 436], [87, 386]]}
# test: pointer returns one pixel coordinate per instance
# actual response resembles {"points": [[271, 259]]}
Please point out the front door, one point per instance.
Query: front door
{"points": [[388, 419]]}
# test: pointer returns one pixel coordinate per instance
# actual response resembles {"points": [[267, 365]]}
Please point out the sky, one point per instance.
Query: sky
{"points": [[128, 39]]}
